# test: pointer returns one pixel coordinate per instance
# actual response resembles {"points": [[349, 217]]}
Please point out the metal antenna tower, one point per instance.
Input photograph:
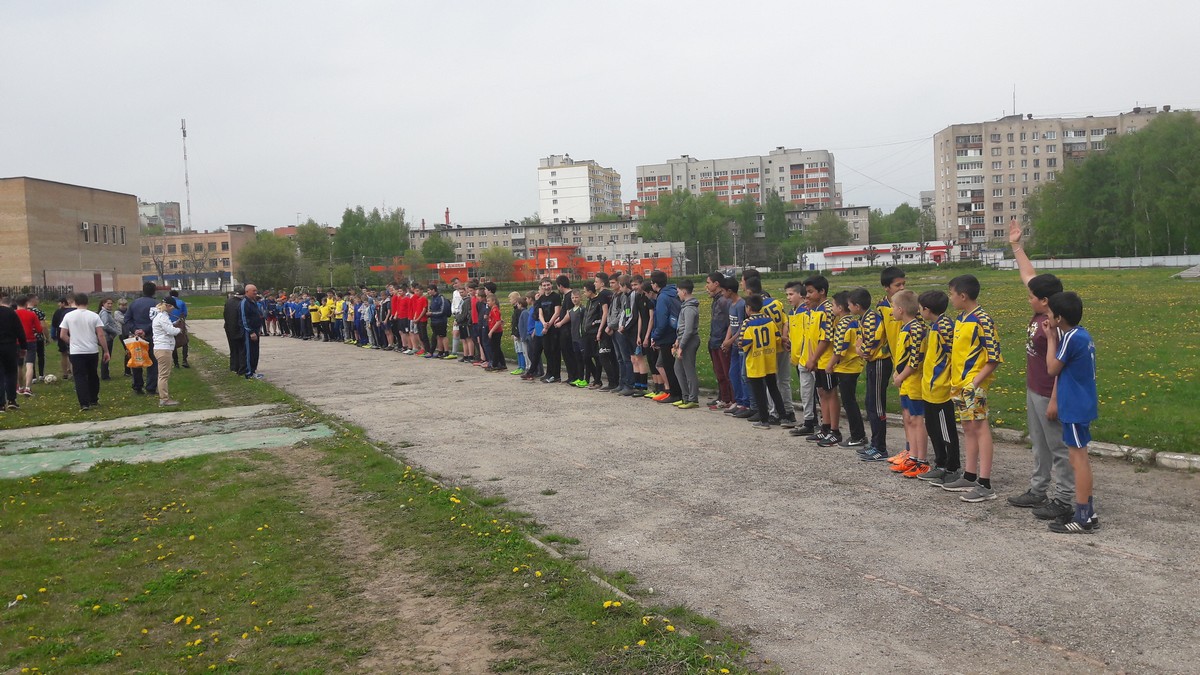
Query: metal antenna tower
{"points": [[187, 185]]}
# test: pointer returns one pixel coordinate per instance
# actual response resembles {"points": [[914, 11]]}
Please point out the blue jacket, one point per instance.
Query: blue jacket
{"points": [[666, 316], [180, 311], [250, 319]]}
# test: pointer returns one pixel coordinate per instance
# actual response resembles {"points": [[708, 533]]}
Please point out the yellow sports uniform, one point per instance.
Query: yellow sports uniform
{"points": [[872, 335], [760, 340], [975, 344], [326, 312], [935, 372], [820, 327], [798, 333], [315, 310], [891, 329], [845, 334], [337, 310], [911, 355]]}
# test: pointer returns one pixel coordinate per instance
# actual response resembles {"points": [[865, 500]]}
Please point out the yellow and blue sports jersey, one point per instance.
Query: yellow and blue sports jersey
{"points": [[337, 310], [760, 339], [935, 373], [778, 313], [975, 344], [798, 333], [1077, 399], [845, 334], [820, 327], [891, 328], [871, 333], [912, 354]]}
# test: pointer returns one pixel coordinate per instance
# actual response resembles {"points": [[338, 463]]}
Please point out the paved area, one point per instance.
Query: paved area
{"points": [[827, 563], [156, 437]]}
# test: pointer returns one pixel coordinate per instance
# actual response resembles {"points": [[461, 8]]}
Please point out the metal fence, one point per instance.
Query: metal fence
{"points": [[44, 292], [1109, 263]]}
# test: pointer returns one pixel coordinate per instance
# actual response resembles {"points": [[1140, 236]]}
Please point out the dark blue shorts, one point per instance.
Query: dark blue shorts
{"points": [[914, 406], [1076, 435]]}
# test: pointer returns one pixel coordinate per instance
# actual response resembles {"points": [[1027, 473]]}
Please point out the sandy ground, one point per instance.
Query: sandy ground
{"points": [[826, 562]]}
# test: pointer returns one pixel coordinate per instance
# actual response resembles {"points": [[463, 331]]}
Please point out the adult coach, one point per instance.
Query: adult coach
{"points": [[250, 321], [233, 331]]}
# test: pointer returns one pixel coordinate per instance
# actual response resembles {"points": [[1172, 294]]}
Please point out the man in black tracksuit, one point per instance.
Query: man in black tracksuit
{"points": [[233, 331]]}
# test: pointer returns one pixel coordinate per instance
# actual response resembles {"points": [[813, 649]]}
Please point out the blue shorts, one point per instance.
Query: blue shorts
{"points": [[1076, 435], [914, 406]]}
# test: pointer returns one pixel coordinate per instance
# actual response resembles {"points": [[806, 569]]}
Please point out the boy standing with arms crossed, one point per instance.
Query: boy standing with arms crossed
{"points": [[1072, 359], [910, 359], [687, 343], [974, 358], [1050, 456]]}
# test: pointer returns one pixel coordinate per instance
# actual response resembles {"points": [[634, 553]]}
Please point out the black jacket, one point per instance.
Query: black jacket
{"points": [[12, 333], [233, 317]]}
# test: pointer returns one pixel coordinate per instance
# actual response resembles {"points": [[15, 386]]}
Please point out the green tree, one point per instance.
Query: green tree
{"points": [[1139, 197], [607, 217], [313, 241], [437, 249], [901, 225], [497, 263], [681, 216], [377, 235], [415, 261], [745, 214], [828, 230], [775, 226], [268, 262], [533, 219]]}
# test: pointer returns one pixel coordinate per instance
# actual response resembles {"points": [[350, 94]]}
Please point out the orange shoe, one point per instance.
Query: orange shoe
{"points": [[907, 464], [920, 468], [663, 396], [899, 457]]}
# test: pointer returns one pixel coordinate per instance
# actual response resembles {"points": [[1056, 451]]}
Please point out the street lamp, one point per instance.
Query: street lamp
{"points": [[612, 243]]}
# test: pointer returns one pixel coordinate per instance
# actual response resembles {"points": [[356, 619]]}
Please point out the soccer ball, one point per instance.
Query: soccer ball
{"points": [[50, 379]]}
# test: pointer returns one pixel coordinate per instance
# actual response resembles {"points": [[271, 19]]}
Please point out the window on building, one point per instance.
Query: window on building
{"points": [[1012, 163], [172, 264], [158, 249], [95, 233], [997, 165], [212, 262], [224, 262], [122, 235], [994, 138], [185, 248], [145, 250], [1050, 135], [1011, 151], [212, 246], [1012, 205], [1050, 175], [170, 248], [998, 192], [554, 201], [1097, 145], [146, 267], [1037, 176], [995, 152], [997, 206], [1010, 138]]}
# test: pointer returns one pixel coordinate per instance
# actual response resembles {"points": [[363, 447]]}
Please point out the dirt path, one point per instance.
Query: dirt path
{"points": [[412, 630], [829, 563]]}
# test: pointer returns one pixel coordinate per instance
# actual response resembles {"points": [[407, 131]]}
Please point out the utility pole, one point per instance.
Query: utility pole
{"points": [[187, 185]]}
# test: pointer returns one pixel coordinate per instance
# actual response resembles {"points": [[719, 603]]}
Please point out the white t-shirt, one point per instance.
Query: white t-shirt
{"points": [[82, 324]]}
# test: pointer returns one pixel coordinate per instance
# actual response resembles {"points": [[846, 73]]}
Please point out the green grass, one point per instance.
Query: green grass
{"points": [[1147, 331], [124, 567], [207, 384]]}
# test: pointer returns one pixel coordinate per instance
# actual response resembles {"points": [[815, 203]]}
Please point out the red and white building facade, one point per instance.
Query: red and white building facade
{"points": [[841, 258], [804, 178]]}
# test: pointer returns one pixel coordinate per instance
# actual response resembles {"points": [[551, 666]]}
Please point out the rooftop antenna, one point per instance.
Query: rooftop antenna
{"points": [[1014, 98], [187, 185]]}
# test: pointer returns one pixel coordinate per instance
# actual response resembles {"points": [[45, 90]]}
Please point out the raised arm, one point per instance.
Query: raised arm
{"points": [[1018, 249]]}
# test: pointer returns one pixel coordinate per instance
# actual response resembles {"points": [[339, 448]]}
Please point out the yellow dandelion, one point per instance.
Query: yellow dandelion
{"points": [[41, 590], [670, 628], [537, 573], [607, 604], [191, 537], [641, 643], [178, 619]]}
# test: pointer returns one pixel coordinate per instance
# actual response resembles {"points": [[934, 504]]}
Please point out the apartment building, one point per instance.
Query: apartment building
{"points": [[160, 214], [985, 171], [576, 190], [805, 178], [195, 261], [469, 241]]}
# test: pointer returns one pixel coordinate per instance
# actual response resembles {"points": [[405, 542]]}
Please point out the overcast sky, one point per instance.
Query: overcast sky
{"points": [[309, 107]]}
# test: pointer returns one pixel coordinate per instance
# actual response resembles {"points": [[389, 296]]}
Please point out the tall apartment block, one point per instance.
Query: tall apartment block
{"points": [[802, 177], [985, 171], [576, 190]]}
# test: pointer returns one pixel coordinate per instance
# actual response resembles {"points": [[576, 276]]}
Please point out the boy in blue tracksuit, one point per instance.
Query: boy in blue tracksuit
{"points": [[662, 337]]}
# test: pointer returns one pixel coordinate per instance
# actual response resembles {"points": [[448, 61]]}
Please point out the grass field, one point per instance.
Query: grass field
{"points": [[212, 564]]}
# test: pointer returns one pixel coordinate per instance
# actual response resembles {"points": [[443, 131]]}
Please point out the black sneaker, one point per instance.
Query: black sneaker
{"points": [[855, 443], [829, 441], [808, 428], [1028, 500], [788, 422], [754, 417], [549, 380], [1052, 510], [1073, 526], [773, 421], [815, 435], [800, 431], [744, 414], [761, 426]]}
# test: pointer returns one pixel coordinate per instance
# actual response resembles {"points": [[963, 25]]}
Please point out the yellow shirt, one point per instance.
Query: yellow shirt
{"points": [[891, 328], [873, 336], [845, 334], [760, 340], [326, 312], [820, 327], [935, 373], [337, 310], [774, 309], [975, 344], [912, 354], [798, 333]]}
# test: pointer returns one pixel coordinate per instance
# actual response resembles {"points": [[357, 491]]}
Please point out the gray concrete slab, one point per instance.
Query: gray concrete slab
{"points": [[829, 564]]}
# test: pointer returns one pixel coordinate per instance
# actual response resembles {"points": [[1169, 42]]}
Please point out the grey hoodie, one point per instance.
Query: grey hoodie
{"points": [[689, 323]]}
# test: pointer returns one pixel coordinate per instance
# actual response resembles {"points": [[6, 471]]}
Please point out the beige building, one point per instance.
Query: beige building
{"points": [[805, 178], [985, 171], [576, 190], [469, 242], [55, 234], [195, 261]]}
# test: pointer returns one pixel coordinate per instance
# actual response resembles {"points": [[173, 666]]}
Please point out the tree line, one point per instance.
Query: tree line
{"points": [[1139, 197]]}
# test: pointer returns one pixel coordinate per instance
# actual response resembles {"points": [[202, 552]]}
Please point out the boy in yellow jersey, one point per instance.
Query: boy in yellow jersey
{"points": [[775, 310], [846, 364], [760, 340], [935, 389], [878, 337], [820, 332], [326, 316], [909, 366], [974, 358], [798, 337], [336, 315]]}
